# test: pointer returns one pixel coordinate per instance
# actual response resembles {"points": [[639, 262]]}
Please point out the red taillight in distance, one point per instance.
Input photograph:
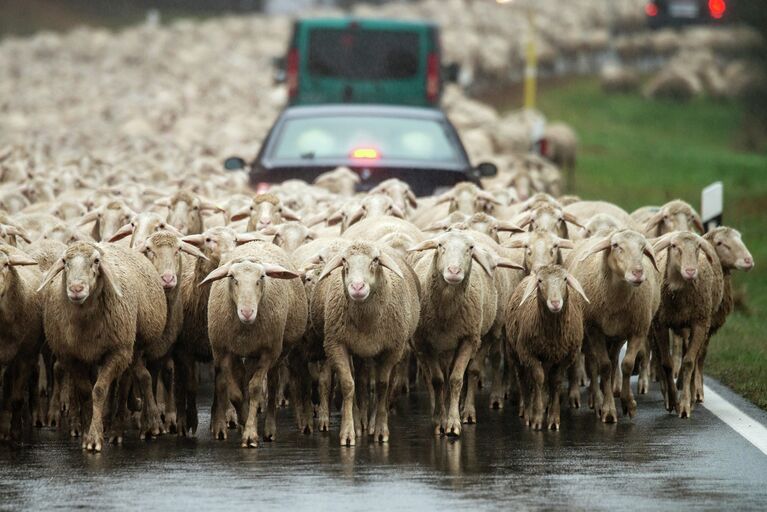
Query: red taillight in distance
{"points": [[291, 72], [651, 9], [365, 153], [717, 8], [432, 78]]}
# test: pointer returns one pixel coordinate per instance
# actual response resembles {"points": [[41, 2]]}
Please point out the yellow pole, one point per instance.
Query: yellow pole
{"points": [[531, 63]]}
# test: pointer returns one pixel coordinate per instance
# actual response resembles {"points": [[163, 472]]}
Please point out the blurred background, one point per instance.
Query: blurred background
{"points": [[661, 105]]}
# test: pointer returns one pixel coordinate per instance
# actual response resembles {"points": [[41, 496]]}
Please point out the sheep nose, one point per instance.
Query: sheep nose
{"points": [[168, 278], [76, 288], [247, 313], [358, 286], [748, 262], [265, 221], [690, 273], [556, 304], [454, 270], [638, 273]]}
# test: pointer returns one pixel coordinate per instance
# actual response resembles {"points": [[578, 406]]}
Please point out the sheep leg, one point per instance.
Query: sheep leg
{"points": [[384, 368], [362, 385], [635, 348], [111, 369], [150, 413], [662, 350], [167, 379], [301, 391], [497, 388], [699, 373], [273, 383], [466, 350], [697, 338], [284, 382], [474, 369], [615, 352], [606, 411], [556, 374], [223, 378], [538, 377], [677, 350], [643, 383], [6, 411], [54, 406], [338, 356], [39, 395], [573, 380], [324, 385]]}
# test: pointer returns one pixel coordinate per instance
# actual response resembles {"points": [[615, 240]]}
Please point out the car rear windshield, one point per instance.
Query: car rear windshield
{"points": [[363, 54], [364, 137]]}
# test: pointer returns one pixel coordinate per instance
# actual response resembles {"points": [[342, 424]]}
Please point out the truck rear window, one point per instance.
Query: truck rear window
{"points": [[363, 54]]}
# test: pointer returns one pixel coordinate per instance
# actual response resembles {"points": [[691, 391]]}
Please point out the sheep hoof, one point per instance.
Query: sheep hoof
{"points": [[496, 403], [307, 430], [453, 428], [92, 443], [231, 424], [470, 417], [322, 425], [250, 441], [116, 439], [220, 435], [630, 408], [284, 402], [268, 438], [554, 425], [74, 432], [609, 417]]}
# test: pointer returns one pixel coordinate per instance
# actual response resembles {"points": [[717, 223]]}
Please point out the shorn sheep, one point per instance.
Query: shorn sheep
{"points": [[368, 311], [98, 304], [544, 323]]}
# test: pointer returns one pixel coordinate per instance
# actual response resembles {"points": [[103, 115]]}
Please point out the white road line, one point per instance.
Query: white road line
{"points": [[753, 431]]}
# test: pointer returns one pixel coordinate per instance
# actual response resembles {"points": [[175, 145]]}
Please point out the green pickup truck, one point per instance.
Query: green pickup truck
{"points": [[348, 60]]}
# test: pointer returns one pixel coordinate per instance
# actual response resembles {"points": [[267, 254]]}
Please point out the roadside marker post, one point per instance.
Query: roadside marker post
{"points": [[712, 205]]}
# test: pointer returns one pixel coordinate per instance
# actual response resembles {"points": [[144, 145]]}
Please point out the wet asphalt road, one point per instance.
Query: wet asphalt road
{"points": [[655, 461]]}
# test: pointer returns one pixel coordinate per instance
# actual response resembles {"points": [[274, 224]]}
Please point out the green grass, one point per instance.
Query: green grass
{"points": [[637, 152]]}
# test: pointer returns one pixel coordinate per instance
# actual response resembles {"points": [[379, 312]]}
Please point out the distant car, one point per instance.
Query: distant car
{"points": [[663, 13], [354, 60], [415, 144]]}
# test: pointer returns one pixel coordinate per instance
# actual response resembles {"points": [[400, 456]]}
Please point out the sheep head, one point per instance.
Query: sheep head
{"points": [[551, 283], [674, 216], [684, 249], [164, 249], [10, 258], [625, 250], [289, 235], [541, 248], [362, 266], [86, 273], [729, 246], [265, 210]]}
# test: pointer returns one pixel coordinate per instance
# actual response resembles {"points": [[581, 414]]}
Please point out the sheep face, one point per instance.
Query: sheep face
{"points": [[164, 251], [399, 191], [684, 249], [185, 215], [85, 273], [266, 211], [361, 264], [290, 235], [541, 249], [214, 243], [675, 216], [144, 224], [625, 251], [551, 286], [732, 252], [454, 253], [600, 224]]}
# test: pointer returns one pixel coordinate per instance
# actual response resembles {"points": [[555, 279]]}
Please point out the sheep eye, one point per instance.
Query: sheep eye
{"points": [[133, 224], [376, 261], [540, 280], [207, 240], [97, 261]]}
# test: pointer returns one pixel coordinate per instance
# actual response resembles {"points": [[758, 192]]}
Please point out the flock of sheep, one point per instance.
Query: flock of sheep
{"points": [[129, 257]]}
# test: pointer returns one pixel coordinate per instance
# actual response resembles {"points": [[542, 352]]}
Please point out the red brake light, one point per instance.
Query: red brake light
{"points": [[262, 187], [717, 8], [366, 154], [291, 72], [432, 78], [651, 9]]}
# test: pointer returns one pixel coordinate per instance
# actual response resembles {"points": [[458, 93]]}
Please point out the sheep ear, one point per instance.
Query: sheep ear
{"points": [[242, 214], [333, 264], [698, 223], [89, 217], [195, 240], [192, 250], [424, 246], [444, 198], [163, 202], [599, 246], [438, 226], [411, 199], [490, 198], [517, 242], [209, 206], [109, 276], [572, 219], [313, 220], [709, 251], [16, 231], [532, 284], [523, 220], [508, 227], [575, 285], [290, 214], [396, 212], [121, 233], [662, 242], [504, 263], [650, 253], [389, 262], [52, 272], [335, 218], [484, 259], [246, 238], [357, 215], [269, 231], [654, 221], [564, 243], [220, 273], [278, 272], [311, 235], [21, 260]]}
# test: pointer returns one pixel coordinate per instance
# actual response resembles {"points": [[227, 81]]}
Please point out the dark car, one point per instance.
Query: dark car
{"points": [[415, 144], [664, 13]]}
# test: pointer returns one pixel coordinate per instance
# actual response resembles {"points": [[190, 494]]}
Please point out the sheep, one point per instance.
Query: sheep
{"points": [[21, 333], [341, 181], [586, 210], [258, 313], [369, 311], [107, 219], [102, 305], [545, 336], [289, 235], [547, 218], [370, 207], [141, 226], [185, 211], [265, 210], [675, 215], [399, 191], [691, 295], [618, 274], [458, 307]]}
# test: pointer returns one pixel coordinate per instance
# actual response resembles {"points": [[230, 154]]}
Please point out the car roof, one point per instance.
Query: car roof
{"points": [[370, 22], [342, 109]]}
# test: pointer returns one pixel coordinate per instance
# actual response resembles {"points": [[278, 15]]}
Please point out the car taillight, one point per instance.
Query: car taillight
{"points": [[651, 9], [717, 8], [291, 72], [366, 154], [432, 78], [262, 187], [543, 147]]}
